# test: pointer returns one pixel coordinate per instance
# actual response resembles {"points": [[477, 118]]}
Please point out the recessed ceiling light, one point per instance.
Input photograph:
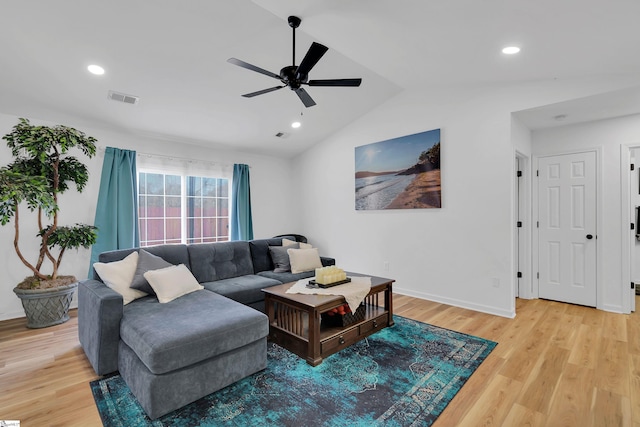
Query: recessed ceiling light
{"points": [[95, 69], [510, 50], [296, 125]]}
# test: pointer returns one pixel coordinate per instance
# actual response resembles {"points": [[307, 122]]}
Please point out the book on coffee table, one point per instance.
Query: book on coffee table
{"points": [[329, 285]]}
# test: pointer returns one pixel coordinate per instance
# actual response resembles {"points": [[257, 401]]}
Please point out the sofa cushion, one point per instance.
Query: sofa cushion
{"points": [[172, 282], [304, 260], [118, 276], [296, 245], [260, 253], [287, 277], [245, 289], [221, 260], [147, 262], [173, 254], [188, 330], [280, 257]]}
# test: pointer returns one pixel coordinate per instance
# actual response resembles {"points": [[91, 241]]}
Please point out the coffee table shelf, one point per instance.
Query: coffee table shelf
{"points": [[295, 319]]}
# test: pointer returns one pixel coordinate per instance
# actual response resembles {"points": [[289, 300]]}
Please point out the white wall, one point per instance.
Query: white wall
{"points": [[606, 136], [273, 202], [520, 137], [461, 254]]}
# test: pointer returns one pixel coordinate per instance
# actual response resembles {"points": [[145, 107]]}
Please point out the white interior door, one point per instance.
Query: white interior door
{"points": [[567, 228]]}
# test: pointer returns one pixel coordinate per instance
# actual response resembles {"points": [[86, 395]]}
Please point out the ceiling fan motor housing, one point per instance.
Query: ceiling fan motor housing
{"points": [[294, 21], [289, 77]]}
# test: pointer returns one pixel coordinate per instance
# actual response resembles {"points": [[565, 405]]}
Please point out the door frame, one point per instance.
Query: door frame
{"points": [[523, 288], [628, 298], [536, 217]]}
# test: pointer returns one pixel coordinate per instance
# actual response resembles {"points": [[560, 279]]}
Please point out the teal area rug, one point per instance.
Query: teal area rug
{"points": [[404, 375]]}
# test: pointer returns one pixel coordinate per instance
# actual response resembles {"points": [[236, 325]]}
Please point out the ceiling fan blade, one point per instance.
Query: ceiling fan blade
{"points": [[263, 91], [335, 82], [305, 97], [251, 67], [312, 57]]}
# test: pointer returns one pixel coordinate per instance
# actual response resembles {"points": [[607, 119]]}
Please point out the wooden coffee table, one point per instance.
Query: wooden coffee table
{"points": [[295, 319]]}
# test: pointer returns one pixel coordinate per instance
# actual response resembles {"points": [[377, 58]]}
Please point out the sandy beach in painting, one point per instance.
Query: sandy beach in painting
{"points": [[423, 192]]}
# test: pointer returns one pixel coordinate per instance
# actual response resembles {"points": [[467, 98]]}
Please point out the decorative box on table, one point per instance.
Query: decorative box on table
{"points": [[346, 319]]}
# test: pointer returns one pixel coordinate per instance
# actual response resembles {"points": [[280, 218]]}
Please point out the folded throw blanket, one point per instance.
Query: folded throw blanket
{"points": [[353, 292]]}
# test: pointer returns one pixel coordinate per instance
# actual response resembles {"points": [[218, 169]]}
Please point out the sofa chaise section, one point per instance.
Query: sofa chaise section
{"points": [[194, 327], [201, 340]]}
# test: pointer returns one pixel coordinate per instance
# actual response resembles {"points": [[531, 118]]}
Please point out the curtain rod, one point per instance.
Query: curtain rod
{"points": [[182, 159]]}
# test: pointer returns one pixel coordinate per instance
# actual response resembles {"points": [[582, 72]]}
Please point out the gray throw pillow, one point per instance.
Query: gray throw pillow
{"points": [[147, 262], [280, 257]]}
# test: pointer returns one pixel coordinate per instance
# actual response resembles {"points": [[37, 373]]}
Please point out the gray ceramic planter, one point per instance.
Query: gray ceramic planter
{"points": [[46, 307]]}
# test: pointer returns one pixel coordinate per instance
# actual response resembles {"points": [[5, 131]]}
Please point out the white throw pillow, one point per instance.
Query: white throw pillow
{"points": [[172, 282], [287, 242], [304, 260], [118, 276]]}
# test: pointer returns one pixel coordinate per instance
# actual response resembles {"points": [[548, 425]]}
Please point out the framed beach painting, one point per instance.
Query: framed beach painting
{"points": [[399, 173]]}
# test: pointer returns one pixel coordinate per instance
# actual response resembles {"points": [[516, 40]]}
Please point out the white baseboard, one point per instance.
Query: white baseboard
{"points": [[612, 308], [456, 303], [12, 315], [16, 314]]}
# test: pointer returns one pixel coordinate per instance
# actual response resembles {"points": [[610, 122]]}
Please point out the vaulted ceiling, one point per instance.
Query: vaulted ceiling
{"points": [[173, 55]]}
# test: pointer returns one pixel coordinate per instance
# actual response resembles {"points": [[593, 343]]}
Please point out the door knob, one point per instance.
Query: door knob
{"points": [[589, 236]]}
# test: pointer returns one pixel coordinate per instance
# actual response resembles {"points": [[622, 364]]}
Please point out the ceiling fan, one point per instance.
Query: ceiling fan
{"points": [[294, 76]]}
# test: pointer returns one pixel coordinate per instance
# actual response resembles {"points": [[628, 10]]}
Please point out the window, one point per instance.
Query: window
{"points": [[176, 208]]}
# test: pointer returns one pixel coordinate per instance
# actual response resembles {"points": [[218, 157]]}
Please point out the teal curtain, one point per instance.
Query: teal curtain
{"points": [[117, 210], [241, 223]]}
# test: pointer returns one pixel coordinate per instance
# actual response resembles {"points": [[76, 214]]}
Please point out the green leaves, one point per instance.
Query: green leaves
{"points": [[39, 150], [432, 155], [40, 142], [80, 235], [16, 188]]}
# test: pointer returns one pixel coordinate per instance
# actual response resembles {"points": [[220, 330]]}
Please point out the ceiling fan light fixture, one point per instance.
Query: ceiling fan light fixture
{"points": [[511, 50], [95, 69]]}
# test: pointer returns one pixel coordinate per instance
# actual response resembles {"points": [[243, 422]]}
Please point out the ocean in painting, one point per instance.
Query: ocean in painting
{"points": [[377, 192]]}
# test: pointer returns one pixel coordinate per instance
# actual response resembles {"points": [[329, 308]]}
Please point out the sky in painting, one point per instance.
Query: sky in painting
{"points": [[395, 154]]}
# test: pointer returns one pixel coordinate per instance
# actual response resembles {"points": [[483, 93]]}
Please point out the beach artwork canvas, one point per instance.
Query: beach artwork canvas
{"points": [[399, 173]]}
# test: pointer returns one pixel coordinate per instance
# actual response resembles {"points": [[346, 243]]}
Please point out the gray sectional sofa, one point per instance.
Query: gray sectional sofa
{"points": [[174, 353]]}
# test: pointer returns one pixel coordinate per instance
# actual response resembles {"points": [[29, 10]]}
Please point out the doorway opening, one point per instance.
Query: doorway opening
{"points": [[522, 233], [630, 183]]}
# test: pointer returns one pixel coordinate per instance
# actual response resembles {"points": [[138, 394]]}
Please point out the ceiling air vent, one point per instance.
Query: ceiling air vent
{"points": [[127, 99], [282, 135]]}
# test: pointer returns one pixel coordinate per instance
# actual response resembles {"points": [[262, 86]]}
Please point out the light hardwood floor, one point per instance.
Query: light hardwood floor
{"points": [[555, 365]]}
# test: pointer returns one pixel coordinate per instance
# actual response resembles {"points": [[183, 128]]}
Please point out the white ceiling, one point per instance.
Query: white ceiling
{"points": [[172, 54], [607, 105]]}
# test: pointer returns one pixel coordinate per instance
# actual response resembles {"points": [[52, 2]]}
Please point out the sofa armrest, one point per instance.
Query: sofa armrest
{"points": [[99, 314], [326, 261]]}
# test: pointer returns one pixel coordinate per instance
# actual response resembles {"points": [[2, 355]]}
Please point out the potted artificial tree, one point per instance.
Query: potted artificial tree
{"points": [[41, 170]]}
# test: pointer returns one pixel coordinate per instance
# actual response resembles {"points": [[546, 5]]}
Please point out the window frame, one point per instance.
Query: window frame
{"points": [[184, 218]]}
